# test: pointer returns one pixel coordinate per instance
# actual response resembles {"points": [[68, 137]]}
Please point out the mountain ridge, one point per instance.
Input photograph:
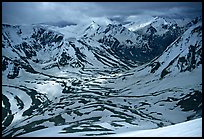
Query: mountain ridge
{"points": [[94, 84]]}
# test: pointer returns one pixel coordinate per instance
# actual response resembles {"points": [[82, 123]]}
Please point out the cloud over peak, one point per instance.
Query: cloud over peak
{"points": [[80, 12]]}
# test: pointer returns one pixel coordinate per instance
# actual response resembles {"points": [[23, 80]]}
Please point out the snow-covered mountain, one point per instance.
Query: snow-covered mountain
{"points": [[97, 79], [159, 23]]}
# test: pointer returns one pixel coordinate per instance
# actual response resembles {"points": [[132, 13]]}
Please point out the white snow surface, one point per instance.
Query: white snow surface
{"points": [[138, 22], [191, 128]]}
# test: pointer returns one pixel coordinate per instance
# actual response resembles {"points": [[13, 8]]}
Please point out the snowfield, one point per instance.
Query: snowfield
{"points": [[191, 128]]}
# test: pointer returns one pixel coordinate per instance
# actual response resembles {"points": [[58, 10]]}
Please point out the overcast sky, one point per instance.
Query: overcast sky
{"points": [[75, 12]]}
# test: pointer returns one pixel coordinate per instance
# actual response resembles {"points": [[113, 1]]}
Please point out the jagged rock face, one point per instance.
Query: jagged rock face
{"points": [[188, 55], [143, 45], [157, 43], [89, 84]]}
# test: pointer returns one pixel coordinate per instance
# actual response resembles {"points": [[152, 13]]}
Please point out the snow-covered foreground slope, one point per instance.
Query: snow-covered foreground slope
{"points": [[191, 128], [79, 88]]}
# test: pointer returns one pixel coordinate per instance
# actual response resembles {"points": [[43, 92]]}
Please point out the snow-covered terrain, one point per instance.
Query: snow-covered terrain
{"points": [[95, 80], [191, 128]]}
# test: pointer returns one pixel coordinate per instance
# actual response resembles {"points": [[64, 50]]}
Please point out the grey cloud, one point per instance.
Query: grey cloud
{"points": [[37, 12], [153, 8]]}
